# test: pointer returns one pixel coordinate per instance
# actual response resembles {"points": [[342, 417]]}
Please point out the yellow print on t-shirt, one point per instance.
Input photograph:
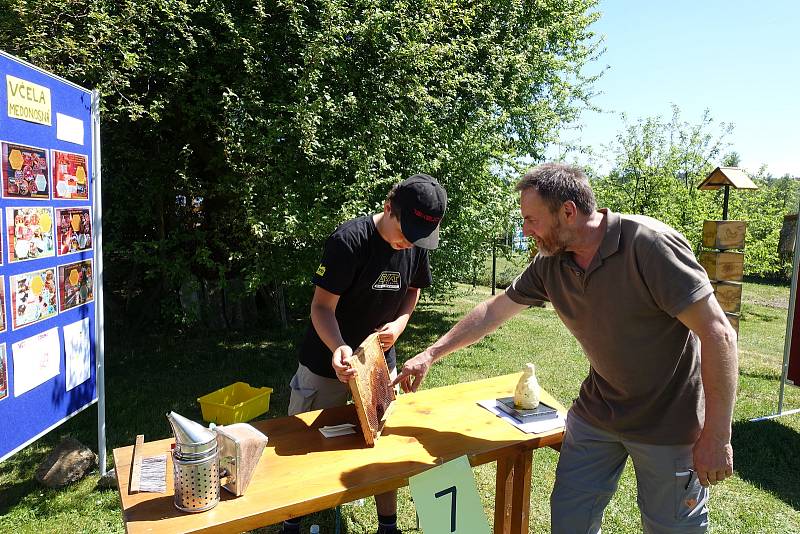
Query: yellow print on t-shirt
{"points": [[387, 281]]}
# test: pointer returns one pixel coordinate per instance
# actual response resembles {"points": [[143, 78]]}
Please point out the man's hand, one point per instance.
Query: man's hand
{"points": [[341, 364], [389, 333], [413, 372], [713, 454], [713, 459]]}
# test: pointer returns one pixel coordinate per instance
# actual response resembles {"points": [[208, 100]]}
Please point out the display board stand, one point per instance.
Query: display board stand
{"points": [[791, 343], [51, 270], [99, 324]]}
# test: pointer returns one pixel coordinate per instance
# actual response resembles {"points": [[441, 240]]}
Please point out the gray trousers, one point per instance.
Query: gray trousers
{"points": [[314, 392], [670, 498]]}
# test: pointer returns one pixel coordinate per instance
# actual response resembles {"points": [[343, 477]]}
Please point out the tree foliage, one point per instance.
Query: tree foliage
{"points": [[658, 166], [764, 210], [237, 134]]}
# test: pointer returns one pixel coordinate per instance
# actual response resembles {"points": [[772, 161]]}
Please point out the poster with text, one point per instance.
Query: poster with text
{"points": [[77, 353], [49, 136], [25, 171], [36, 360], [74, 230], [75, 286], [30, 233], [3, 372], [33, 297], [70, 176]]}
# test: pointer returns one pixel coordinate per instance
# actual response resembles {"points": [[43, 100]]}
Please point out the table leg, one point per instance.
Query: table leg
{"points": [[521, 494], [503, 495], [513, 493]]}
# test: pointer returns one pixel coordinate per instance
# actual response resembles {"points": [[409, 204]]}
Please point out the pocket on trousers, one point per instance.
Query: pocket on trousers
{"points": [[690, 496], [302, 399]]}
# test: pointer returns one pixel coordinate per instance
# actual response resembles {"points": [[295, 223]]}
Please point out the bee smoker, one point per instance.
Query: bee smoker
{"points": [[195, 461]]}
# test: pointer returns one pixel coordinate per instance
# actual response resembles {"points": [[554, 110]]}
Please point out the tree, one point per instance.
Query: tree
{"points": [[764, 209], [658, 168], [237, 135], [731, 159]]}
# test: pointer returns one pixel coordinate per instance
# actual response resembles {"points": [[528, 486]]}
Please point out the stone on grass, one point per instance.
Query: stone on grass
{"points": [[108, 481], [68, 463]]}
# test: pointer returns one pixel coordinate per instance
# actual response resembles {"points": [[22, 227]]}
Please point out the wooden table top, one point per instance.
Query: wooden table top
{"points": [[301, 471]]}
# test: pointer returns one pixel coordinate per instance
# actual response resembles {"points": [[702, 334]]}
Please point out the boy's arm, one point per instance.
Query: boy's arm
{"points": [[323, 317]]}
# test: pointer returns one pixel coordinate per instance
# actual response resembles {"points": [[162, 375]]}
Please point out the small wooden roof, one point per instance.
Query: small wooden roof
{"points": [[732, 176]]}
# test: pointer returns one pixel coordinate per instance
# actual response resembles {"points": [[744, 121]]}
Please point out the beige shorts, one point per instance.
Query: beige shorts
{"points": [[311, 391]]}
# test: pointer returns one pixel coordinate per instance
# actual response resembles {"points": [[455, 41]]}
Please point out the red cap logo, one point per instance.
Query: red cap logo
{"points": [[425, 216]]}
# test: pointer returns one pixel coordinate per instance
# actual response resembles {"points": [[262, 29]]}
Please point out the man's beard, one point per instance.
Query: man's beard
{"points": [[555, 244]]}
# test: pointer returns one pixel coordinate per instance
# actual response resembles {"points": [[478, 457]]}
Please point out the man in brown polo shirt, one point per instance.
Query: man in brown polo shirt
{"points": [[631, 292]]}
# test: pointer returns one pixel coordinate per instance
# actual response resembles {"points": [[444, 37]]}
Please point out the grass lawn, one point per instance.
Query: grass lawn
{"points": [[146, 377]]}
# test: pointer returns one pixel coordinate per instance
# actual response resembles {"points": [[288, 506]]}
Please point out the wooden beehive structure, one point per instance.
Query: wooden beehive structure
{"points": [[371, 388], [724, 263], [729, 295]]}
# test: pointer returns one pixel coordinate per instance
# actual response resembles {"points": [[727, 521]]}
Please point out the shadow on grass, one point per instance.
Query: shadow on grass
{"points": [[761, 376], [765, 454], [425, 327], [149, 375], [751, 315], [12, 494], [44, 502]]}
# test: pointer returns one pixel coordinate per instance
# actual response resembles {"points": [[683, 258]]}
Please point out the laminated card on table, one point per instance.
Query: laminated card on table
{"points": [[533, 427]]}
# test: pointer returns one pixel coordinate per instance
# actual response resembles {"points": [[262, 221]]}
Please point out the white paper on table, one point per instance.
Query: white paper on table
{"points": [[333, 431], [77, 352], [69, 129], [153, 476], [533, 427], [36, 360]]}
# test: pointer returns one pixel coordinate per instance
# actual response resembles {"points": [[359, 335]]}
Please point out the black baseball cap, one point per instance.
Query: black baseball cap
{"points": [[422, 202]]}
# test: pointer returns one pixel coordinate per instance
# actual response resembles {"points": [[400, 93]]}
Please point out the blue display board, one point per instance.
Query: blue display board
{"points": [[48, 350]]}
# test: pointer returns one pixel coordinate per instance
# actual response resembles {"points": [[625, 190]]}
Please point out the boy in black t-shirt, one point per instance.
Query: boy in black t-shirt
{"points": [[369, 280]]}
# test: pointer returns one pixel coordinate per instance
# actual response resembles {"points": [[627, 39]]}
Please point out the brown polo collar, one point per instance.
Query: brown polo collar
{"points": [[608, 246], [610, 242]]}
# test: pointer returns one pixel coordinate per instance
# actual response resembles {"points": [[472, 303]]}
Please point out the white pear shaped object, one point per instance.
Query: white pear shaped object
{"points": [[526, 395]]}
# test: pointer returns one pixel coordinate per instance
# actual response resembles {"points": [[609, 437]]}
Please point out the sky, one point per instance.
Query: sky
{"points": [[737, 58]]}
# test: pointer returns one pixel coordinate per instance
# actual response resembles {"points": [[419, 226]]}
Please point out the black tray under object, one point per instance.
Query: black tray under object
{"points": [[542, 411]]}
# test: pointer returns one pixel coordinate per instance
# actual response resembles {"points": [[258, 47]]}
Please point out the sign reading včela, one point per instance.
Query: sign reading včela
{"points": [[28, 101]]}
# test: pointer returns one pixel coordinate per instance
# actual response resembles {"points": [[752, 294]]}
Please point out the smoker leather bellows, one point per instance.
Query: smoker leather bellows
{"points": [[195, 461], [240, 448]]}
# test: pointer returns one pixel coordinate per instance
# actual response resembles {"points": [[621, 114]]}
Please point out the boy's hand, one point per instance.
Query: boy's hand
{"points": [[341, 364], [389, 333]]}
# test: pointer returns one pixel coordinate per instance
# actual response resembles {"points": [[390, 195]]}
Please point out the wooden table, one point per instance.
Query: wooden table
{"points": [[303, 472]]}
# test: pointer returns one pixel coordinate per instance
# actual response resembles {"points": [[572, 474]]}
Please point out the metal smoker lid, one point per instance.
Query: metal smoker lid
{"points": [[188, 432]]}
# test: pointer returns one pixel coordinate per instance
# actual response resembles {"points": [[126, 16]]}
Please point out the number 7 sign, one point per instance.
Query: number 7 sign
{"points": [[447, 500]]}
